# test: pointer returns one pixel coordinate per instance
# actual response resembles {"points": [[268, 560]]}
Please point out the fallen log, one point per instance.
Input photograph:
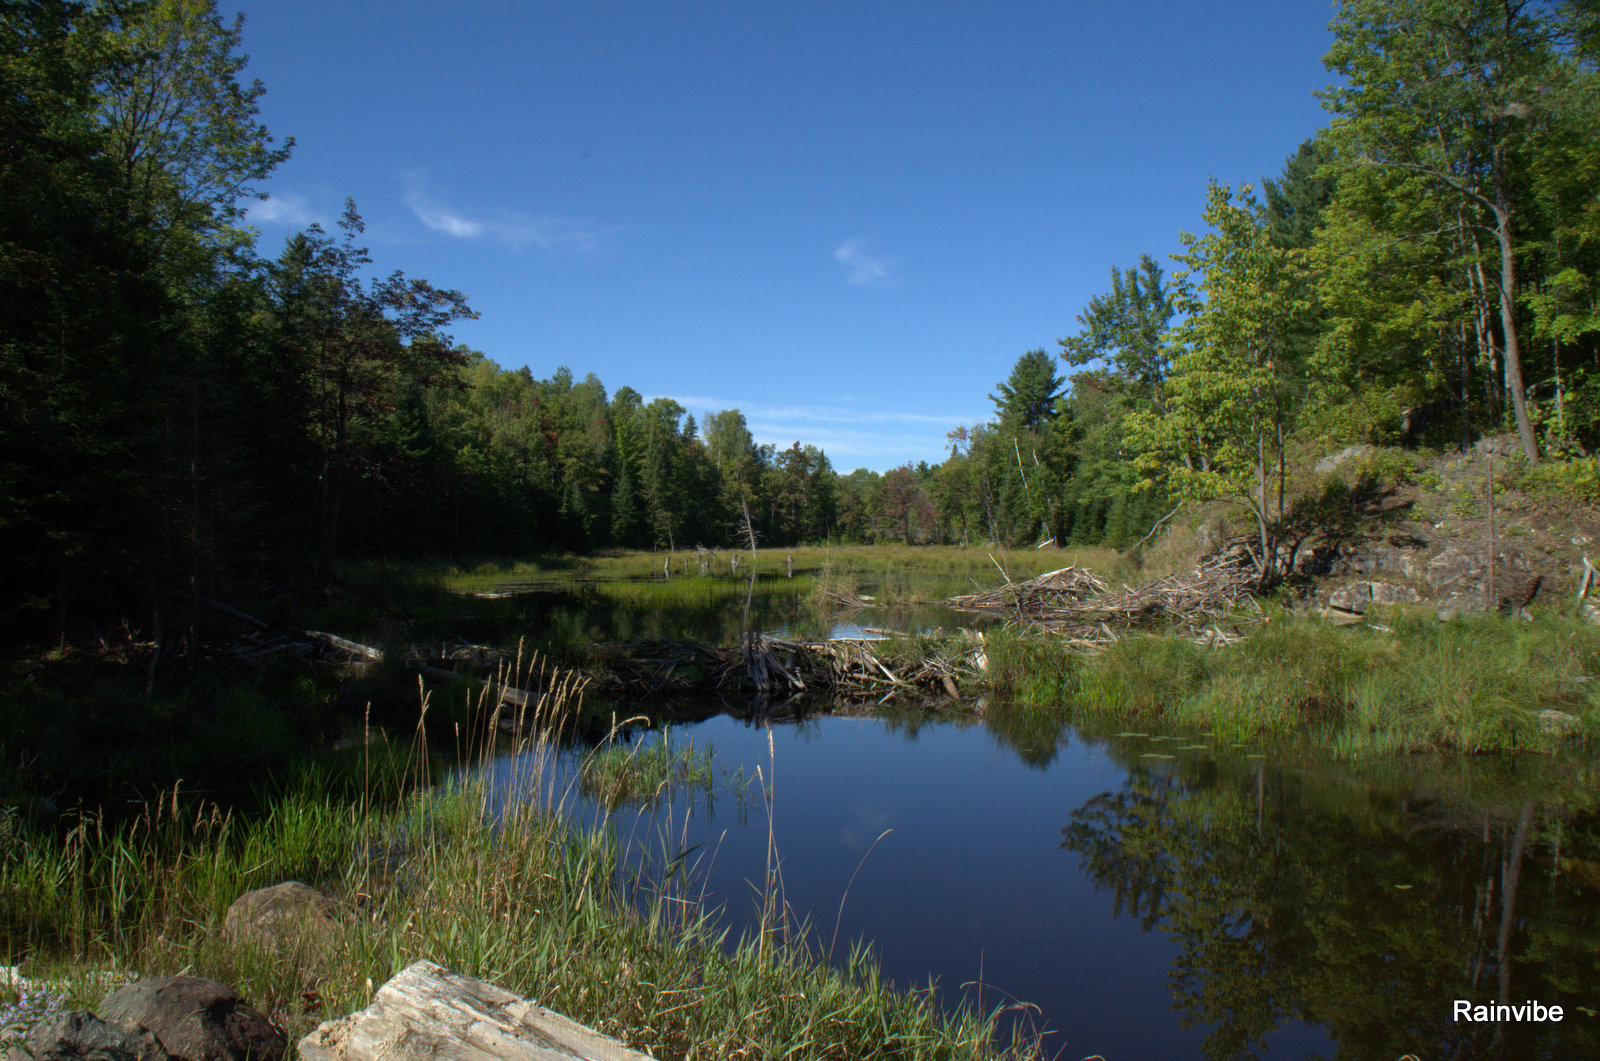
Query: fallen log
{"points": [[297, 643], [427, 1013], [353, 648]]}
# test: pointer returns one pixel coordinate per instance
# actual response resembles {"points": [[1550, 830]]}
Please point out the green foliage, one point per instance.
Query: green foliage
{"points": [[1565, 482], [1027, 400], [1296, 202], [1235, 389], [1124, 331], [1447, 108]]}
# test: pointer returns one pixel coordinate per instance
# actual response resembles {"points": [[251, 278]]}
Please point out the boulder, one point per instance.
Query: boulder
{"points": [[1559, 723], [197, 1019], [286, 910], [1498, 445], [1389, 593], [77, 1035]]}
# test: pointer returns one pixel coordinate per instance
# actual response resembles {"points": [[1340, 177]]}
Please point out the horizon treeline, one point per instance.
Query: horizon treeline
{"points": [[181, 415]]}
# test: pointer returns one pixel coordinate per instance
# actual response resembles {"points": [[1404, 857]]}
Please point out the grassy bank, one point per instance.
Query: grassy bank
{"points": [[868, 563], [1408, 684], [519, 895]]}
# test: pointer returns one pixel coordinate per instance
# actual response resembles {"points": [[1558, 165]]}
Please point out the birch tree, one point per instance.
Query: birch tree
{"points": [[1233, 388]]}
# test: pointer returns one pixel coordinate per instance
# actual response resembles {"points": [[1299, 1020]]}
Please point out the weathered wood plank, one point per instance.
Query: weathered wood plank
{"points": [[427, 1013]]}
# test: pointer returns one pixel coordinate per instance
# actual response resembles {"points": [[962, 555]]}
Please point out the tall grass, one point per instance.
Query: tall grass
{"points": [[1471, 685], [511, 890]]}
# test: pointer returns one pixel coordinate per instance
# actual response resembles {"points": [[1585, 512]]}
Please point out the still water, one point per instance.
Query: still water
{"points": [[709, 611], [1155, 899]]}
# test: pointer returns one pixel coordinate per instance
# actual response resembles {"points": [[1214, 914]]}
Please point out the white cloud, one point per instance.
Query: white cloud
{"points": [[551, 233], [818, 413], [864, 268], [513, 229], [441, 220], [851, 437], [288, 210]]}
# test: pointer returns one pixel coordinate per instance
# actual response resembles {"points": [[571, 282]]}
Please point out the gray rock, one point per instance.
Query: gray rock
{"points": [[197, 1019], [1499, 445], [1330, 464], [289, 910], [1560, 723], [78, 1035], [427, 1013], [1353, 598], [1358, 595], [1388, 593]]}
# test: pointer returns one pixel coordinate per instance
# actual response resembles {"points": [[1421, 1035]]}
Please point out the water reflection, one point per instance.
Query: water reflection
{"points": [[710, 611], [1202, 904], [1367, 917]]}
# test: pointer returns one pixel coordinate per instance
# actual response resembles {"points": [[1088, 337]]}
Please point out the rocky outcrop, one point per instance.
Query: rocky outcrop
{"points": [[1415, 568], [1356, 597]]}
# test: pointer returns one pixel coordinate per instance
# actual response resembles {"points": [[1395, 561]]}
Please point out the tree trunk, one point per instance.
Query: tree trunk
{"points": [[1510, 877], [1508, 308]]}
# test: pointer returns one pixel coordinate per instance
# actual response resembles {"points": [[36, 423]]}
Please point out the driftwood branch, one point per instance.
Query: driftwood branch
{"points": [[427, 1013]]}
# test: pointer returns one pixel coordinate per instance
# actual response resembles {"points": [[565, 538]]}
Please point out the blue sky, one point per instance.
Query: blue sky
{"points": [[847, 220]]}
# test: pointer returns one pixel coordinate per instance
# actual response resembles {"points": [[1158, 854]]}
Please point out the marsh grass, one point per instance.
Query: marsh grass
{"points": [[949, 568], [511, 890], [1404, 683], [644, 771]]}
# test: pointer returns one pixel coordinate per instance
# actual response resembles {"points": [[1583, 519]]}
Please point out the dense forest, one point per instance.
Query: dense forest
{"points": [[183, 411]]}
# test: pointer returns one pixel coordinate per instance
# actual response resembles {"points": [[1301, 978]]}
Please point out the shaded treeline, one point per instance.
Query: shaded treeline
{"points": [[180, 414]]}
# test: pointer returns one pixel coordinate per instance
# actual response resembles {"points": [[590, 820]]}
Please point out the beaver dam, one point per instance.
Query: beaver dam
{"points": [[1072, 604]]}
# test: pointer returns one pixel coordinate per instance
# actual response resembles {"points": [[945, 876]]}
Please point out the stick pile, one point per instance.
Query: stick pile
{"points": [[1052, 589], [849, 668], [779, 668], [1061, 602]]}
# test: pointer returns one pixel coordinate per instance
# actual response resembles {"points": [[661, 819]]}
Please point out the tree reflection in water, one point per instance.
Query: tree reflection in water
{"points": [[1293, 903]]}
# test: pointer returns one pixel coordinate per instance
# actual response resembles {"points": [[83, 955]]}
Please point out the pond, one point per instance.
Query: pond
{"points": [[715, 611], [1157, 898]]}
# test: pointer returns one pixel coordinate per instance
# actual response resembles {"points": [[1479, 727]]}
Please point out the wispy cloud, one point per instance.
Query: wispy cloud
{"points": [[864, 268], [836, 414], [516, 230], [288, 210], [441, 220], [851, 437]]}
